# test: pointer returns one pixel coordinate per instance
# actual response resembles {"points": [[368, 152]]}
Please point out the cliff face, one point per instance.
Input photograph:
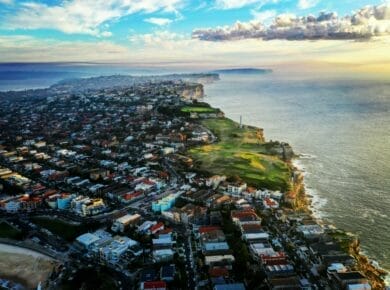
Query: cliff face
{"points": [[374, 274], [283, 150], [192, 92]]}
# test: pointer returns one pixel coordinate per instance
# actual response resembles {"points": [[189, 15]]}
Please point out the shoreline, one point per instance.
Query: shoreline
{"points": [[376, 276], [363, 259]]}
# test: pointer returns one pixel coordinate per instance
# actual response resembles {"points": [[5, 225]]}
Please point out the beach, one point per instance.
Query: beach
{"points": [[24, 266]]}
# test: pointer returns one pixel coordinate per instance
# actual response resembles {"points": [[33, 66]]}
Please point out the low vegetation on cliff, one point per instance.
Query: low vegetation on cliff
{"points": [[242, 153], [198, 109]]}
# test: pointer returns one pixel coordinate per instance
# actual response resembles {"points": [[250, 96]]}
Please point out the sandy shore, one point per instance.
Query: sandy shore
{"points": [[24, 266]]}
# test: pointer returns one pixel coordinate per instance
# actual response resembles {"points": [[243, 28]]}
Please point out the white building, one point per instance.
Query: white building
{"points": [[122, 223]]}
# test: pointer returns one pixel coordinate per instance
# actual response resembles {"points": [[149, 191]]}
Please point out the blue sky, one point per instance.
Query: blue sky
{"points": [[182, 30], [185, 15]]}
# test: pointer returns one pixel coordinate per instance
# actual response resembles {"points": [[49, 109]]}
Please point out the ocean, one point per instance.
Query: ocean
{"points": [[341, 128]]}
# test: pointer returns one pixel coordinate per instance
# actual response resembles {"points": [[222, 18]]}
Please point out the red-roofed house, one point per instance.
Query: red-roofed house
{"points": [[219, 272], [207, 229], [156, 228], [154, 285]]}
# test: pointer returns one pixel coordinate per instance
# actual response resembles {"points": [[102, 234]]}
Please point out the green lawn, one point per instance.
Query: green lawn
{"points": [[7, 231], [242, 153], [66, 230], [190, 109]]}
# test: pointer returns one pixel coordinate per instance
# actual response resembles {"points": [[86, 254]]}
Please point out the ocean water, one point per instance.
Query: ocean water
{"points": [[342, 129]]}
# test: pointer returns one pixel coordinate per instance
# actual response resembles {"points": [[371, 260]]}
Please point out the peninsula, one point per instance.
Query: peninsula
{"points": [[253, 71], [136, 183]]}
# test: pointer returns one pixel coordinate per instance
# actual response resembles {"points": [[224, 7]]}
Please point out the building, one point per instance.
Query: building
{"points": [[119, 245], [105, 247], [234, 286], [165, 203], [236, 188], [145, 226], [154, 285], [86, 206], [93, 207], [123, 223], [245, 216], [163, 255], [225, 260], [162, 248], [349, 281], [64, 201], [12, 206], [215, 247], [167, 273], [156, 228], [87, 240]]}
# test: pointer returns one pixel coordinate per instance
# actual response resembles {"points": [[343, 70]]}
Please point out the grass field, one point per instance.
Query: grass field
{"points": [[66, 230], [7, 231], [190, 109], [242, 153]]}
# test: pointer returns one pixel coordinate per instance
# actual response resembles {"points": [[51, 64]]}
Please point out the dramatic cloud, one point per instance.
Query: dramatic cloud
{"points": [[82, 16], [368, 22], [237, 31], [158, 21]]}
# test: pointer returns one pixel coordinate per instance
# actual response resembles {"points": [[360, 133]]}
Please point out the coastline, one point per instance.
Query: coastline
{"points": [[305, 200], [376, 275]]}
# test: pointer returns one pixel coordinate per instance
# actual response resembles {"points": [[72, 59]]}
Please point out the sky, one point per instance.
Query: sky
{"points": [[321, 35]]}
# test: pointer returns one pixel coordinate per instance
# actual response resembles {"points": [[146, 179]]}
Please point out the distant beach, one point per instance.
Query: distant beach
{"points": [[24, 266]]}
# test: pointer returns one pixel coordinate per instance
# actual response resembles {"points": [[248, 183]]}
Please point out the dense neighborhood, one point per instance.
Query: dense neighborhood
{"points": [[96, 174]]}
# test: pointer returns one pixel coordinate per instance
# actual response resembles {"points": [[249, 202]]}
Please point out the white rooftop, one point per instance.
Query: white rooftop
{"points": [[87, 239]]}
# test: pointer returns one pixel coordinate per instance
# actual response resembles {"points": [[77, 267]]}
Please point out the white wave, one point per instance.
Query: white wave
{"points": [[307, 156], [387, 281], [317, 203]]}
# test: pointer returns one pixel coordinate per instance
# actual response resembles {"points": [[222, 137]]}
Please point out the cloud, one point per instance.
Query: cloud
{"points": [[167, 49], [6, 2], [367, 22], [306, 4], [239, 30], [106, 34], [233, 4], [23, 48], [263, 16], [82, 16], [158, 21]]}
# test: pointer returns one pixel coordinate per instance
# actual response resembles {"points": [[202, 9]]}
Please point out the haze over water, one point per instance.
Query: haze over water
{"points": [[343, 129]]}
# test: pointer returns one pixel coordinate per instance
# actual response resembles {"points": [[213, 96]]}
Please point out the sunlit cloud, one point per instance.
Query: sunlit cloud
{"points": [[306, 4], [82, 17], [158, 21], [367, 22], [232, 4]]}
